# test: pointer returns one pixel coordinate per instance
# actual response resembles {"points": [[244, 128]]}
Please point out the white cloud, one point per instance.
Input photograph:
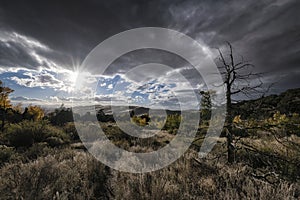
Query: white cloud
{"points": [[41, 79], [110, 86], [59, 80]]}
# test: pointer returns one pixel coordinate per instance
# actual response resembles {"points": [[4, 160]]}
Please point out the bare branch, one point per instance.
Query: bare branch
{"points": [[222, 59]]}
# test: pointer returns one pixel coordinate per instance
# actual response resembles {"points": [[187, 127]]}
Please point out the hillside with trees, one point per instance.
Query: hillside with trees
{"points": [[287, 103]]}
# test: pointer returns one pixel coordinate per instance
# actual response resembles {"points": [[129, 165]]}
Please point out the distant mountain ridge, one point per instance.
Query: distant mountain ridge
{"points": [[136, 110], [287, 102]]}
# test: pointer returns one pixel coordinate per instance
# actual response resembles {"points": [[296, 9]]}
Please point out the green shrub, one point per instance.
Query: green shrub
{"points": [[54, 141], [27, 133], [172, 123], [5, 153], [71, 130], [19, 135]]}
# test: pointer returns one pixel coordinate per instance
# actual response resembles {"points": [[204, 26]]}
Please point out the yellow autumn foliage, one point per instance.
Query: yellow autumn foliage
{"points": [[36, 112], [237, 119]]}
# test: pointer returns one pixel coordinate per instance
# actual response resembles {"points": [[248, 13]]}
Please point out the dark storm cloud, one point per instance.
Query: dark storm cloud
{"points": [[265, 32], [75, 27], [139, 57], [14, 55]]}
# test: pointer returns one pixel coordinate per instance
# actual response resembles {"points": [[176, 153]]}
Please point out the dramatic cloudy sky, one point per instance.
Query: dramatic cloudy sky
{"points": [[42, 44]]}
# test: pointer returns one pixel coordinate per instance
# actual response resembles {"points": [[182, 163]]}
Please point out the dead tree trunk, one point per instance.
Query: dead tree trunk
{"points": [[237, 78]]}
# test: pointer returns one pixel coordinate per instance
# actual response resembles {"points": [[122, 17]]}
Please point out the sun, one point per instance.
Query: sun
{"points": [[72, 77]]}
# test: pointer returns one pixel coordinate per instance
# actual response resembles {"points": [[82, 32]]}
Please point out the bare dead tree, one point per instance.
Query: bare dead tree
{"points": [[239, 79]]}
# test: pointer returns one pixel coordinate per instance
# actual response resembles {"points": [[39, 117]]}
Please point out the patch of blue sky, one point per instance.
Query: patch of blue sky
{"points": [[110, 85], [20, 90]]}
